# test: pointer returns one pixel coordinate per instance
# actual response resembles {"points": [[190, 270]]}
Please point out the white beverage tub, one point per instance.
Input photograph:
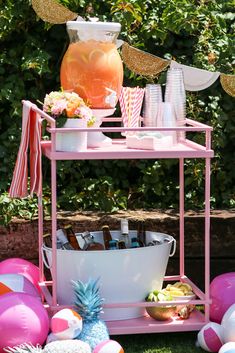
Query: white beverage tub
{"points": [[126, 275]]}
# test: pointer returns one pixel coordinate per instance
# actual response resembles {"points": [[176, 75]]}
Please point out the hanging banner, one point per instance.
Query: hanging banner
{"points": [[196, 79], [53, 12], [142, 63], [228, 84], [148, 65]]}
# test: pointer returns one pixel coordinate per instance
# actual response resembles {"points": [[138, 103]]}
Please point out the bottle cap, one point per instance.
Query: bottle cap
{"points": [[68, 226], [46, 235]]}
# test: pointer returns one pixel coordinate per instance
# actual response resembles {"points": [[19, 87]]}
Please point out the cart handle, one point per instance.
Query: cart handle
{"points": [[174, 248], [44, 258]]}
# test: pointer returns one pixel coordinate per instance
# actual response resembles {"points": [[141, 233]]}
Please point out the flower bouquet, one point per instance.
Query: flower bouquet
{"points": [[63, 105], [70, 111]]}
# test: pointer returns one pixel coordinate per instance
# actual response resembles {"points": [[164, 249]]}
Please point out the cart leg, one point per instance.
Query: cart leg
{"points": [[40, 235], [207, 237], [54, 228], [181, 209]]}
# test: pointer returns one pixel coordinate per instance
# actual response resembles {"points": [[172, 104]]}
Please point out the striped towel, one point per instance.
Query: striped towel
{"points": [[30, 138]]}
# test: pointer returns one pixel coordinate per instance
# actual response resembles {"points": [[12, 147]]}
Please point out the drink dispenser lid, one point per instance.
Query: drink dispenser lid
{"points": [[94, 26], [100, 31]]}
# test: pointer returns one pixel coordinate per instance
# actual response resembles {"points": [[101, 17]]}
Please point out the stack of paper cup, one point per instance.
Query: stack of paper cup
{"points": [[153, 96]]}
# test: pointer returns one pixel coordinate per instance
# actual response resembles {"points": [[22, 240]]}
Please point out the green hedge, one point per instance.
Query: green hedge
{"points": [[198, 33]]}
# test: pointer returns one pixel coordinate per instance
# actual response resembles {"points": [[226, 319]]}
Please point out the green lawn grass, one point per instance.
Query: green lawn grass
{"points": [[181, 342]]}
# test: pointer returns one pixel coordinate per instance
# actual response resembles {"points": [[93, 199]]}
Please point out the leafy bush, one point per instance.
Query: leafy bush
{"points": [[197, 33]]}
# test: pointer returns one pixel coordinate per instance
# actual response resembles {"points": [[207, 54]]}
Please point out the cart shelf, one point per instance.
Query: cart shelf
{"points": [[119, 150], [146, 324]]}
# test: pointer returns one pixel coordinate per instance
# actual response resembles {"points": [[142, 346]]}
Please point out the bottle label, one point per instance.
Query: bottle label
{"points": [[61, 236], [124, 226]]}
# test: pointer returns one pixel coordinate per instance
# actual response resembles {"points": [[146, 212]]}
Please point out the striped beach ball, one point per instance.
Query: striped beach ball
{"points": [[66, 324], [228, 347], [209, 337], [12, 282], [21, 267], [108, 346]]}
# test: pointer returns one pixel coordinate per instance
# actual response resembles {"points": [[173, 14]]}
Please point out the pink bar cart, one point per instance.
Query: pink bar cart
{"points": [[118, 150]]}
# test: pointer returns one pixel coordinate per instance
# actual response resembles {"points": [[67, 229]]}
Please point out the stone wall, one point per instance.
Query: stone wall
{"points": [[19, 239]]}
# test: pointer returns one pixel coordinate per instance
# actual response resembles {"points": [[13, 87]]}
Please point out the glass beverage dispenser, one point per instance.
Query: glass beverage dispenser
{"points": [[92, 66]]}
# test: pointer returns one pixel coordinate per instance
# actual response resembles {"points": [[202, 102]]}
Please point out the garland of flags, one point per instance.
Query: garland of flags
{"points": [[138, 61], [148, 65]]}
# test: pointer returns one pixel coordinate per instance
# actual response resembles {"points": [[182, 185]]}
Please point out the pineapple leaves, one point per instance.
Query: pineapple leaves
{"points": [[87, 299]]}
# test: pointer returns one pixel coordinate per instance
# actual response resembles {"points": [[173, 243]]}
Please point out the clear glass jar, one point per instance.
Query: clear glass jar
{"points": [[92, 66]]}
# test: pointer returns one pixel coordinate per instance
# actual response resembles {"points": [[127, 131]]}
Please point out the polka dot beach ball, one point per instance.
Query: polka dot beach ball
{"points": [[66, 324], [209, 337]]}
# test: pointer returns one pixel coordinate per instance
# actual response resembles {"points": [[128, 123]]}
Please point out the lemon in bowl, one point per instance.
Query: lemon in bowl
{"points": [[180, 291]]}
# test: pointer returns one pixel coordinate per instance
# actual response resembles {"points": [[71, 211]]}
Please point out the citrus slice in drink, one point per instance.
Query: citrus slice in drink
{"points": [[113, 59], [98, 60]]}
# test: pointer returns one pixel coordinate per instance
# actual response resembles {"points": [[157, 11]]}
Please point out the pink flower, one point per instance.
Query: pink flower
{"points": [[84, 112], [58, 107]]}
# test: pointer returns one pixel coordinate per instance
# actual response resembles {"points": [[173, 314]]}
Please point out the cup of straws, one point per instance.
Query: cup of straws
{"points": [[131, 100]]}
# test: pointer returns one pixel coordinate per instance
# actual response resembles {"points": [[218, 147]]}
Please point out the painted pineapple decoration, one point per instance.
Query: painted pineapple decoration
{"points": [[89, 305]]}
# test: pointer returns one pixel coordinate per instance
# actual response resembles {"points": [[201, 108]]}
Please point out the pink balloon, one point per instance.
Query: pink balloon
{"points": [[23, 319], [23, 267], [222, 291]]}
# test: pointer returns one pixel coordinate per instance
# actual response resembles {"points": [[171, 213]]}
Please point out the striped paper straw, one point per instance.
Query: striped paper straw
{"points": [[131, 106], [138, 94], [123, 100]]}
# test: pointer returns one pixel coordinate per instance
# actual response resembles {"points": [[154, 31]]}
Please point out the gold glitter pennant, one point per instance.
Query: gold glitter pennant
{"points": [[228, 84], [142, 63], [53, 12]]}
